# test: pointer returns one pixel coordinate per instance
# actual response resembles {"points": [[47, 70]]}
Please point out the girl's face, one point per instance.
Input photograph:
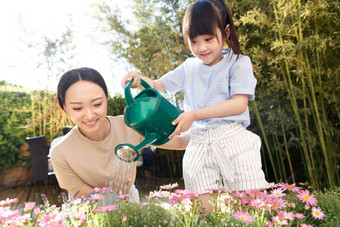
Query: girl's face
{"points": [[86, 105], [207, 48]]}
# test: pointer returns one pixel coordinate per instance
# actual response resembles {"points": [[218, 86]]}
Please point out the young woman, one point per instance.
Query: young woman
{"points": [[85, 158]]}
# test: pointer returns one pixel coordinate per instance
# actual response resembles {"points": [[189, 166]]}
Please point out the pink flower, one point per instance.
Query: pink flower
{"points": [[190, 194], [29, 206], [175, 199], [257, 203], [255, 193], [124, 196], [47, 220], [187, 204], [37, 211], [96, 197], [111, 207], [278, 220], [299, 216], [8, 202], [270, 224], [278, 192], [304, 196], [169, 186], [104, 189], [124, 219], [317, 213], [238, 194], [277, 203], [106, 209], [80, 216], [289, 187], [22, 219], [244, 217], [286, 215], [156, 194], [305, 225], [7, 214], [97, 190], [180, 191]]}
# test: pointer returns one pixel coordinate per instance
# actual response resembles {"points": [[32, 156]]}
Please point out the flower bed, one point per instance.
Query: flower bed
{"points": [[282, 204]]}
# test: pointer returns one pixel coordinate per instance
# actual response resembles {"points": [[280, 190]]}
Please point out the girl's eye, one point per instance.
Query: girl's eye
{"points": [[208, 39]]}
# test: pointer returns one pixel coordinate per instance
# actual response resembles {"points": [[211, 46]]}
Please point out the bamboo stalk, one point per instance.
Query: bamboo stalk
{"points": [[286, 144], [287, 79], [265, 139]]}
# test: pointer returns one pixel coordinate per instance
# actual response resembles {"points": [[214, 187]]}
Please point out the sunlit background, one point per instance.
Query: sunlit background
{"points": [[27, 22]]}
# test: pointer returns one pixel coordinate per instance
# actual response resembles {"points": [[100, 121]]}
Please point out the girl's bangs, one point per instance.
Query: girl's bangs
{"points": [[201, 21]]}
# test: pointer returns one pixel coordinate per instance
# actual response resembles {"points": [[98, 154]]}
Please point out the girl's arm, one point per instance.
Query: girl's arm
{"points": [[236, 105], [179, 142], [157, 84]]}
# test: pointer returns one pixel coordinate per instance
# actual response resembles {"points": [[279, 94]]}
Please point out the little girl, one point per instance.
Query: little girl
{"points": [[217, 86]]}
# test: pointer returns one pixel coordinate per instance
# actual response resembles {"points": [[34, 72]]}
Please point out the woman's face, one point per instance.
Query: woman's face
{"points": [[86, 105]]}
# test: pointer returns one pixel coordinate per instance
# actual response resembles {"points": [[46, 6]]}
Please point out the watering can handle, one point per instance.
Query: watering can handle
{"points": [[128, 96]]}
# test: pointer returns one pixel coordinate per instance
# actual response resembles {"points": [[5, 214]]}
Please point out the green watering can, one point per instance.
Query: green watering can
{"points": [[150, 114]]}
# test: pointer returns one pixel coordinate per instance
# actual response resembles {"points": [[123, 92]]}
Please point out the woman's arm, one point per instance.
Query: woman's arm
{"points": [[84, 190], [236, 105]]}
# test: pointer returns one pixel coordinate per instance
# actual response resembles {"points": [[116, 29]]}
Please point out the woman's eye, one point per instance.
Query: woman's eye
{"points": [[78, 108], [98, 104]]}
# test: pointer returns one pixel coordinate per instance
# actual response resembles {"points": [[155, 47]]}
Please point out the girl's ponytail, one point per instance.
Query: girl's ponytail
{"points": [[226, 16]]}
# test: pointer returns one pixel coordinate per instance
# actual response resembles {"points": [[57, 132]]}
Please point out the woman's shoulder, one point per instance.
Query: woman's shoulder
{"points": [[121, 130], [66, 141], [119, 119]]}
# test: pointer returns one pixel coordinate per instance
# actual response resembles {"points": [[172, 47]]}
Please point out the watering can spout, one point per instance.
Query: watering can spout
{"points": [[129, 153], [151, 116]]}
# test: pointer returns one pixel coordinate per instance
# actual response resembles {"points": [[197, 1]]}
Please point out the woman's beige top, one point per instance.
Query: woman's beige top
{"points": [[78, 160]]}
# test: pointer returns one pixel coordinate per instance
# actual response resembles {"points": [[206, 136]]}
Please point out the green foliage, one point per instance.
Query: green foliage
{"points": [[116, 105], [329, 201], [294, 47], [15, 107]]}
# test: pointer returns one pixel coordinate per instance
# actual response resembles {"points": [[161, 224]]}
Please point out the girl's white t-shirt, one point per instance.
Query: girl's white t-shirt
{"points": [[206, 86]]}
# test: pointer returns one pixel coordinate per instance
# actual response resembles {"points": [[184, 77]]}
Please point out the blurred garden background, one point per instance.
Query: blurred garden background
{"points": [[294, 47]]}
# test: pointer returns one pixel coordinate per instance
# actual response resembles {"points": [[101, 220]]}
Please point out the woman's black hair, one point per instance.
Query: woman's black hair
{"points": [[204, 16], [74, 75]]}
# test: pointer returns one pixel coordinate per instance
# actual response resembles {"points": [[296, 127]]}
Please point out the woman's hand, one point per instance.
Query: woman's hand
{"points": [[127, 77], [183, 122]]}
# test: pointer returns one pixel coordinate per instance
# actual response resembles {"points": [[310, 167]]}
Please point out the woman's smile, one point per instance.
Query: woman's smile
{"points": [[91, 124]]}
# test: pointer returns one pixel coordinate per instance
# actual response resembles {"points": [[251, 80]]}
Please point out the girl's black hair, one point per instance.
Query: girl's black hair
{"points": [[204, 16], [74, 75]]}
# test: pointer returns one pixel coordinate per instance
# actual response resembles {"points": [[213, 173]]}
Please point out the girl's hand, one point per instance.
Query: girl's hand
{"points": [[127, 77], [183, 122]]}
